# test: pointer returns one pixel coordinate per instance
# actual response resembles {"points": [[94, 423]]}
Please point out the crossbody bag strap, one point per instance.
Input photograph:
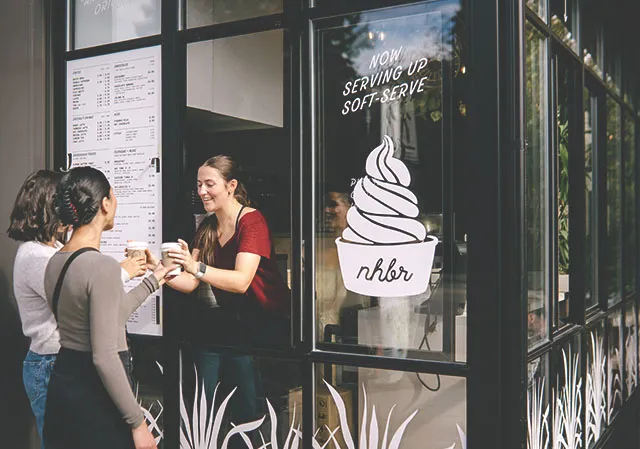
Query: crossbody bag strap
{"points": [[56, 292]]}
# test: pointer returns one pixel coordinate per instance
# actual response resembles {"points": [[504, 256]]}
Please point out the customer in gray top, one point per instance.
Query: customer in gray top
{"points": [[90, 401], [36, 225]]}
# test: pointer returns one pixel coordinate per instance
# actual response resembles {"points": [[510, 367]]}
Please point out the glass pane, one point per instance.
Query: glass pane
{"points": [[614, 203], [614, 366], [566, 414], [590, 200], [378, 402], [596, 388], [210, 12], [591, 27], [630, 226], [238, 401], [235, 111], [536, 182], [563, 130], [564, 19], [538, 403], [539, 7], [389, 273], [148, 365], [612, 65], [103, 22], [630, 349]]}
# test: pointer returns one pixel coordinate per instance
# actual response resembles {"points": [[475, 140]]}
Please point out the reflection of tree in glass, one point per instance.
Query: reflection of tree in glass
{"points": [[614, 206], [630, 237], [150, 23], [209, 12], [536, 180]]}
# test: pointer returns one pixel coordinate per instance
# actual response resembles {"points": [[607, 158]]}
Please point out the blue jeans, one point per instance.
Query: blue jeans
{"points": [[36, 372], [231, 371]]}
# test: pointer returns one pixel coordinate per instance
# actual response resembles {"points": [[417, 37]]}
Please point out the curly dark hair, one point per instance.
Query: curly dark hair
{"points": [[33, 216], [79, 195]]}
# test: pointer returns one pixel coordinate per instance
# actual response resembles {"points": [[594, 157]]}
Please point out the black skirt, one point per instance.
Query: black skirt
{"points": [[80, 413]]}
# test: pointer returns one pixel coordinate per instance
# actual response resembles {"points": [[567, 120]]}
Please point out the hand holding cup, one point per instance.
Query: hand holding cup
{"points": [[168, 250], [182, 256]]}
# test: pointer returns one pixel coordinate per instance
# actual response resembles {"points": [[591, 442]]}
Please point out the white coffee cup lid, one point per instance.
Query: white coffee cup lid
{"points": [[134, 244], [170, 245]]}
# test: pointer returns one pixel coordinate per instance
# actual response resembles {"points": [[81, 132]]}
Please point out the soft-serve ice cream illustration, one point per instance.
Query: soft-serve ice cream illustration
{"points": [[385, 250]]}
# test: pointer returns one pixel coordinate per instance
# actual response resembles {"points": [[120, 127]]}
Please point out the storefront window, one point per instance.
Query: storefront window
{"points": [[630, 208], [99, 22], [563, 131], [235, 97], [380, 406], [564, 17], [238, 401], [615, 379], [614, 204], [590, 203], [385, 254], [536, 182], [211, 12]]}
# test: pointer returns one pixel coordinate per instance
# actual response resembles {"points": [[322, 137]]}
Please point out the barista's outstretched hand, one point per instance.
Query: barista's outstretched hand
{"points": [[183, 257]]}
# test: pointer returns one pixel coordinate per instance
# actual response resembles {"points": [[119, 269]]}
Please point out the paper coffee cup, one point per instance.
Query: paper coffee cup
{"points": [[166, 259], [137, 249]]}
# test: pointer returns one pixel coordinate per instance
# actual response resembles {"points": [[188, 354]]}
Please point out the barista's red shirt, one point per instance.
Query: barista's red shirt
{"points": [[253, 236]]}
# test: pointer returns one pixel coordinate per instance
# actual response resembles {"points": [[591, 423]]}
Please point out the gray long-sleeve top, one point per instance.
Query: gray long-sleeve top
{"points": [[92, 314]]}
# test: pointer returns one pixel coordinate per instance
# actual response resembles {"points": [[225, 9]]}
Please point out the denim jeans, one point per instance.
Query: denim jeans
{"points": [[36, 372], [231, 371]]}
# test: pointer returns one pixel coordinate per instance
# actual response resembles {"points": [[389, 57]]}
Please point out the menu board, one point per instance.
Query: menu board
{"points": [[113, 124]]}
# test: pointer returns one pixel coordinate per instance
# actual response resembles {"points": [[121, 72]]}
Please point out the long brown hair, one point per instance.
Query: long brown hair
{"points": [[34, 216], [207, 233]]}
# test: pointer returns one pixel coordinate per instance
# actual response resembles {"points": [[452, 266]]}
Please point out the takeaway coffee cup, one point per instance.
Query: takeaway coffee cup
{"points": [[137, 249], [166, 259]]}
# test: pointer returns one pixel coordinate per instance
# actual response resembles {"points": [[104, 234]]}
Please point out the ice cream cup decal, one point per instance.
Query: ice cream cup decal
{"points": [[385, 250]]}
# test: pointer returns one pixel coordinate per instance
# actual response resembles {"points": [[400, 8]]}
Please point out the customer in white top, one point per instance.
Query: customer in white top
{"points": [[35, 223]]}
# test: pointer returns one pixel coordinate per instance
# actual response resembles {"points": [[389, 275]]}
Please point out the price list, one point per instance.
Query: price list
{"points": [[113, 124]]}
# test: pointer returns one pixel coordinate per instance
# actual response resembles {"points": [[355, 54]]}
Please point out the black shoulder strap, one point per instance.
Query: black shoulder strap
{"points": [[56, 292], [238, 217]]}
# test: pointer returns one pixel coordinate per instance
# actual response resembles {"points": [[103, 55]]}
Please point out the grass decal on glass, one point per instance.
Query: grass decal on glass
{"points": [[596, 389], [614, 392], [202, 428], [631, 355], [567, 406], [537, 418]]}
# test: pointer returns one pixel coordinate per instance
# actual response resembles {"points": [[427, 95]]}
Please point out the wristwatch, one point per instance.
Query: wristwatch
{"points": [[201, 270]]}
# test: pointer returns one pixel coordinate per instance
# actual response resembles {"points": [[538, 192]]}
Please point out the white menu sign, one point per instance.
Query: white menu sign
{"points": [[113, 124]]}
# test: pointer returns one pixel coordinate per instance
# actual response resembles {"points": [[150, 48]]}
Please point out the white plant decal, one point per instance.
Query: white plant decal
{"points": [[537, 419], [369, 439], [567, 406], [631, 355], [385, 250], [596, 389], [614, 392], [202, 428], [463, 439], [152, 413]]}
